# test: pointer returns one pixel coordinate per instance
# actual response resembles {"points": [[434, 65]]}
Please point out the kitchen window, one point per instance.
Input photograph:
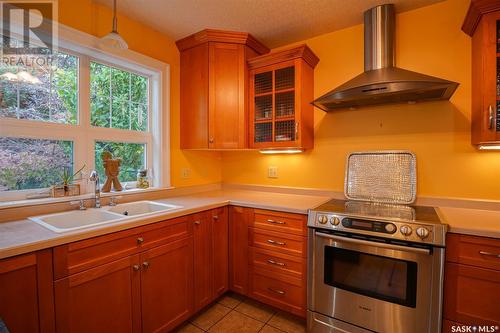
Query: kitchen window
{"points": [[58, 118]]}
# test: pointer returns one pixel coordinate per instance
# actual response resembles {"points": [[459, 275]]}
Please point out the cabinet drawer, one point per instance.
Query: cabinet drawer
{"points": [[277, 262], [472, 250], [276, 241], [278, 290], [281, 222], [79, 256], [472, 295]]}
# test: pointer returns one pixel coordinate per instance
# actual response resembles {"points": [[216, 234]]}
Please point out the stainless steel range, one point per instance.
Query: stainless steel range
{"points": [[375, 267]]}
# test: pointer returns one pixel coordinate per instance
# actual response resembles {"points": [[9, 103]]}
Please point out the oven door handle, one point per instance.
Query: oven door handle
{"points": [[368, 243]]}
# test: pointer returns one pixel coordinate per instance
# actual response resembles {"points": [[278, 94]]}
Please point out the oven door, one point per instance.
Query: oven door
{"points": [[378, 286]]}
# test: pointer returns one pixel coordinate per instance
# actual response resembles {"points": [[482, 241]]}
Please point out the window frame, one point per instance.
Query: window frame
{"points": [[83, 134]]}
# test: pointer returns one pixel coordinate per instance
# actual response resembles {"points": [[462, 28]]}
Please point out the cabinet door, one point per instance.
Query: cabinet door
{"points": [[203, 282], [220, 246], [194, 97], [239, 219], [167, 285], [472, 295], [102, 299], [227, 111], [26, 298]]}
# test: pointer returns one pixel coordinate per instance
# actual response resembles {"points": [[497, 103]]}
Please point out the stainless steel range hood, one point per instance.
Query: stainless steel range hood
{"points": [[382, 82]]}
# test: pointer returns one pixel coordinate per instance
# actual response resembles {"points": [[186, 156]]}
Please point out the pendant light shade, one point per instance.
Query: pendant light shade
{"points": [[113, 40]]}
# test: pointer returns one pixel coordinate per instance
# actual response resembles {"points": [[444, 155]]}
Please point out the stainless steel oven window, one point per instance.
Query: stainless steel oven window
{"points": [[387, 279]]}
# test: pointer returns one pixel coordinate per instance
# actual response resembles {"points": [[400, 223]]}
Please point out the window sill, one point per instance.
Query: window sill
{"points": [[87, 196]]}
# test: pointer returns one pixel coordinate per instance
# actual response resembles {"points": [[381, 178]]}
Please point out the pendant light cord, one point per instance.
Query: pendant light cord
{"points": [[115, 20]]}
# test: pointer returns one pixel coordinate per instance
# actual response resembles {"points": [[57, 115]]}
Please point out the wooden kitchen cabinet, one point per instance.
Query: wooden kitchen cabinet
{"points": [[281, 89], [102, 299], [26, 298], [220, 250], [126, 281], [483, 24], [239, 219], [472, 281], [210, 255], [167, 285], [214, 88]]}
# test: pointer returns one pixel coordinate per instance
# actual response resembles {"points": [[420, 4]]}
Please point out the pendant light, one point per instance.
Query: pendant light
{"points": [[113, 40]]}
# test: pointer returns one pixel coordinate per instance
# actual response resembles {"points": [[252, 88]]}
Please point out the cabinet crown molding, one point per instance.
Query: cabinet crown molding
{"points": [[221, 36], [302, 51], [477, 9]]}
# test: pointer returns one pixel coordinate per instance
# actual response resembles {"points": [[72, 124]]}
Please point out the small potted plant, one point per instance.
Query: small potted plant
{"points": [[67, 187]]}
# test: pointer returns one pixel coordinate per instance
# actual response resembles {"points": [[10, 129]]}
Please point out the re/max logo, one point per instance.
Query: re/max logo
{"points": [[473, 329]]}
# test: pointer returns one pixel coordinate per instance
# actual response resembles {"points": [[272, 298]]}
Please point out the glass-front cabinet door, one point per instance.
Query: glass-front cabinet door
{"points": [[274, 107]]}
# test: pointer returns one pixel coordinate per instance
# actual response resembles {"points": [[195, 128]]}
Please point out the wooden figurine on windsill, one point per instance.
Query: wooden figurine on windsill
{"points": [[112, 170]]}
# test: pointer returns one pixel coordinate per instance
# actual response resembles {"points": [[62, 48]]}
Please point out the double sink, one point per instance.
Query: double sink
{"points": [[81, 219]]}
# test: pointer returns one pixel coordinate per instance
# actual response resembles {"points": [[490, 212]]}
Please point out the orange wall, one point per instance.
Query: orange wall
{"points": [[429, 40], [94, 19]]}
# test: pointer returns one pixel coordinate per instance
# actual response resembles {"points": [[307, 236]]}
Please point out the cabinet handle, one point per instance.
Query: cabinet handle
{"points": [[140, 240], [145, 264], [136, 268], [276, 291], [275, 222], [197, 222], [215, 217], [211, 140], [489, 254], [270, 241], [491, 117], [277, 263], [296, 131]]}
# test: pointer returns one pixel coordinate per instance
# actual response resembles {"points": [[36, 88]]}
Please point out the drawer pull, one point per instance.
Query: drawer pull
{"points": [[276, 291], [140, 240], [277, 263], [136, 268], [215, 217], [275, 222], [197, 222], [489, 254], [145, 265], [273, 242]]}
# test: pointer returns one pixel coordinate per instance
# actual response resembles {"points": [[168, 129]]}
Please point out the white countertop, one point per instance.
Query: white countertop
{"points": [[476, 222], [23, 236]]}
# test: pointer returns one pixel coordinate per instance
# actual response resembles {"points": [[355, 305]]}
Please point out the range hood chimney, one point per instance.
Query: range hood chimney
{"points": [[382, 82]]}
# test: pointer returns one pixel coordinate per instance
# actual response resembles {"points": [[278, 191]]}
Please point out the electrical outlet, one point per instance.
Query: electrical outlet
{"points": [[185, 173], [272, 172]]}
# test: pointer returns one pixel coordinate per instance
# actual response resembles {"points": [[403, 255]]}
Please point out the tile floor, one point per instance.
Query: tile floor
{"points": [[234, 314]]}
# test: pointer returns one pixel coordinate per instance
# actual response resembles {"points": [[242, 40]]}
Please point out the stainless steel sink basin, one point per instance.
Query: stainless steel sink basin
{"points": [[76, 219], [140, 208], [80, 219]]}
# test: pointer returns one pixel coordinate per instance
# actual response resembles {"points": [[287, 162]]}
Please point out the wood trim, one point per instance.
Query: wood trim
{"points": [[477, 9], [303, 51], [212, 35], [46, 310], [15, 263]]}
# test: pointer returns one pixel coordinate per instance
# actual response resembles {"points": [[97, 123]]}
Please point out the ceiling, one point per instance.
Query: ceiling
{"points": [[274, 22]]}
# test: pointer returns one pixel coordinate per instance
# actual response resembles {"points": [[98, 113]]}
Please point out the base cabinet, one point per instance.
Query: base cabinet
{"points": [[239, 218], [210, 256], [102, 299], [26, 298], [472, 282]]}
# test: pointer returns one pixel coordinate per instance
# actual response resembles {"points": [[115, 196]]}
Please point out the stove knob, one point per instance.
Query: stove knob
{"points": [[334, 220], [322, 219], [390, 228], [422, 232], [405, 230]]}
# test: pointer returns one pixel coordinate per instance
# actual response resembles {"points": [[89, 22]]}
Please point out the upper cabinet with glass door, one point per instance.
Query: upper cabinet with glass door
{"points": [[483, 24], [281, 89]]}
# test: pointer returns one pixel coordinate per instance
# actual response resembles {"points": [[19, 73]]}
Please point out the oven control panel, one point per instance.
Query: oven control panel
{"points": [[409, 231], [376, 226]]}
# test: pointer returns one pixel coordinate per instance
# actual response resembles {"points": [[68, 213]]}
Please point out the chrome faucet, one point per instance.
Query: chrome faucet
{"points": [[94, 177]]}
